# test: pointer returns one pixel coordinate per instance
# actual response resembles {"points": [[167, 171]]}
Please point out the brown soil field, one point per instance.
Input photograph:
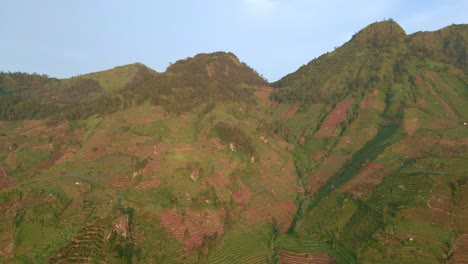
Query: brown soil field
{"points": [[290, 113], [411, 125], [429, 216], [333, 119], [191, 227], [34, 127], [263, 208], [365, 180], [460, 254], [415, 147], [243, 196], [318, 155], [421, 101], [418, 79], [440, 124], [218, 181], [440, 202], [263, 94], [154, 183], [287, 257], [5, 180], [119, 182], [96, 146]]}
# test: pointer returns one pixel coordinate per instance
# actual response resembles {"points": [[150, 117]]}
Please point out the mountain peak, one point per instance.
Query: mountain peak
{"points": [[381, 30]]}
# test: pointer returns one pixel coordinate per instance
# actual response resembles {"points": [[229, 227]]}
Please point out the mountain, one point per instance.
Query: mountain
{"points": [[357, 157]]}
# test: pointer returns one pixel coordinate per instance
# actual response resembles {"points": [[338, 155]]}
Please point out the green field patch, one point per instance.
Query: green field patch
{"points": [[156, 129], [426, 231], [26, 158], [30, 236], [302, 244], [250, 245]]}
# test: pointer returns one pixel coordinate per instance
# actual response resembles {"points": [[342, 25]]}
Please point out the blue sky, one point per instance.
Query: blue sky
{"points": [[275, 37]]}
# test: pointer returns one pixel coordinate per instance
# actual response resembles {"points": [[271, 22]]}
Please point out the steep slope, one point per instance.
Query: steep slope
{"points": [[358, 157], [374, 159]]}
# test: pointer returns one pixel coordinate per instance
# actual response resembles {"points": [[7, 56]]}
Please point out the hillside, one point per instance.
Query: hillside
{"points": [[357, 157]]}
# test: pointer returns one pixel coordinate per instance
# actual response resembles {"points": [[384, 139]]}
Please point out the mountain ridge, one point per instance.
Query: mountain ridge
{"points": [[358, 157]]}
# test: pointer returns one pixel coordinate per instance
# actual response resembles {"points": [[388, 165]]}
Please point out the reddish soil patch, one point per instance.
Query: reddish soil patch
{"points": [[318, 155], [191, 227], [264, 93], [96, 146], [119, 182], [440, 202], [334, 118], [290, 113], [218, 181], [243, 196], [5, 180], [415, 146], [216, 143], [152, 153], [284, 144], [375, 92], [421, 101], [440, 124], [267, 209], [460, 255], [431, 216], [156, 113], [411, 125], [418, 79], [154, 183], [287, 257], [365, 180], [70, 152]]}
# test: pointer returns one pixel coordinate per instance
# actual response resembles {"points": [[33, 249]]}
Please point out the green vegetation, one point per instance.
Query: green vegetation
{"points": [[359, 155]]}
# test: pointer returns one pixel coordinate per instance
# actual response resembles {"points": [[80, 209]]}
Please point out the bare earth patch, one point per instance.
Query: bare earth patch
{"points": [[440, 124], [191, 227], [460, 255], [243, 196], [96, 146], [263, 208], [5, 180], [318, 155], [411, 125], [154, 183], [290, 113], [218, 181], [421, 101], [120, 182], [333, 119], [431, 216], [264, 93], [418, 79], [365, 180]]}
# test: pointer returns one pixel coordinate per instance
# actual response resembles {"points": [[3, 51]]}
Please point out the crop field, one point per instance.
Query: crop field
{"points": [[294, 258]]}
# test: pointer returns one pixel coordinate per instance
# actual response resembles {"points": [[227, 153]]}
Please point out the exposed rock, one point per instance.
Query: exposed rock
{"points": [[121, 226]]}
